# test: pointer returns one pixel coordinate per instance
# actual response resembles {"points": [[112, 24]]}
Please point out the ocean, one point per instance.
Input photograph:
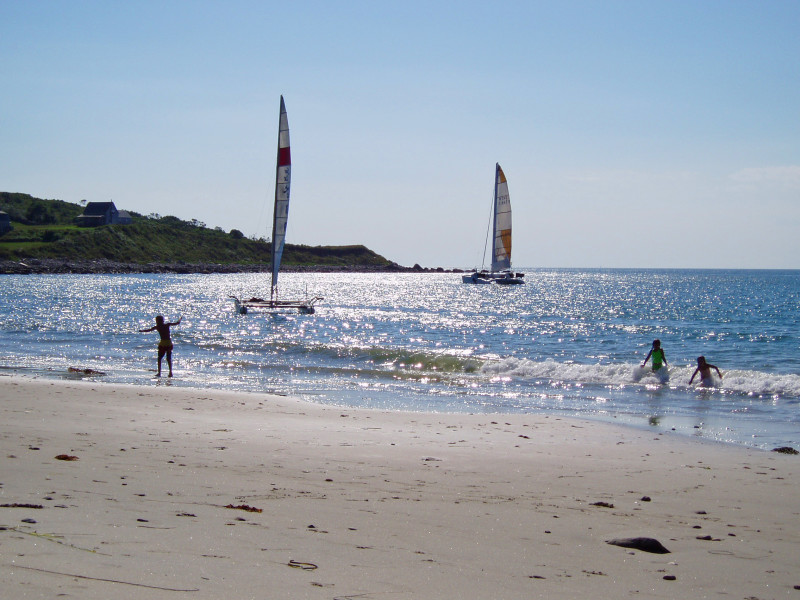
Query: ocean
{"points": [[570, 342]]}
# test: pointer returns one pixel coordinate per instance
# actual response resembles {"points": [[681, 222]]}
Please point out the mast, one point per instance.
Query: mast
{"points": [[283, 177], [501, 248]]}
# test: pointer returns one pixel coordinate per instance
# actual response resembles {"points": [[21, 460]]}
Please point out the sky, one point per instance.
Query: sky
{"points": [[641, 134]]}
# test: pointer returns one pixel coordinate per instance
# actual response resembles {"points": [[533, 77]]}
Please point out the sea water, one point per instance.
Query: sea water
{"points": [[569, 342]]}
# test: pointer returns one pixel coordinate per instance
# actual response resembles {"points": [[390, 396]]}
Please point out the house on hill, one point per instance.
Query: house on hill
{"points": [[5, 222], [101, 213]]}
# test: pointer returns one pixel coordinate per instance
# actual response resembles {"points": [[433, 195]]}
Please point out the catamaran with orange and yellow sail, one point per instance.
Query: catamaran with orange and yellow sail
{"points": [[501, 271]]}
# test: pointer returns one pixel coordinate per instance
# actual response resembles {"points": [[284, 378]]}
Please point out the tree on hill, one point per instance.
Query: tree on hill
{"points": [[27, 210]]}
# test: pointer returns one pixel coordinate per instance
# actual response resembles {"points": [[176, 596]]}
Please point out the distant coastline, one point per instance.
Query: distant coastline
{"points": [[44, 266], [39, 236]]}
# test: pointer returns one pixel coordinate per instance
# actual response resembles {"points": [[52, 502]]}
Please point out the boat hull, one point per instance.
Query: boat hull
{"points": [[305, 307], [501, 278], [476, 279]]}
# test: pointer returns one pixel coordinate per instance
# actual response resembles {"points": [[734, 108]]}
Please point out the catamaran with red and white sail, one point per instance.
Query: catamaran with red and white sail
{"points": [[280, 218]]}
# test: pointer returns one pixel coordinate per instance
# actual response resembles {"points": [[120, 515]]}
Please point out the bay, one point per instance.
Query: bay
{"points": [[569, 343]]}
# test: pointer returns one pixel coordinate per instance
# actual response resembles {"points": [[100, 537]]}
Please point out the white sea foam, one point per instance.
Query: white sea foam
{"points": [[751, 383]]}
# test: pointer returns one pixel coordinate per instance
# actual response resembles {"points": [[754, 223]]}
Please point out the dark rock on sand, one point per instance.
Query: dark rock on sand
{"points": [[645, 544]]}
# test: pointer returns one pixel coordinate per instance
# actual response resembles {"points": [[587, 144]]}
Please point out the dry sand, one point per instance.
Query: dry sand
{"points": [[161, 496]]}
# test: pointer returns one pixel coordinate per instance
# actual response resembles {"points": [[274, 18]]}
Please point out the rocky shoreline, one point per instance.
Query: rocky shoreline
{"points": [[35, 266]]}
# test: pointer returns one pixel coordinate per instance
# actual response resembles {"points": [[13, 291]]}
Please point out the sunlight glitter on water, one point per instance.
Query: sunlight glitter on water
{"points": [[569, 341]]}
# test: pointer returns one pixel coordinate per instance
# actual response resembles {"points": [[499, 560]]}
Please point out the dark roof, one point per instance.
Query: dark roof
{"points": [[97, 209]]}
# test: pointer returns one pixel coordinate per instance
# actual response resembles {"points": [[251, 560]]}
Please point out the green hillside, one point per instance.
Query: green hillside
{"points": [[45, 229]]}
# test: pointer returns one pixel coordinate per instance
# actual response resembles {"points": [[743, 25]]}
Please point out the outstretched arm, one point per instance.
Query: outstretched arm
{"points": [[146, 330], [178, 322]]}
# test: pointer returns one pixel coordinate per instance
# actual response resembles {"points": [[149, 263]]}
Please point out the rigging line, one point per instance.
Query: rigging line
{"points": [[488, 228]]}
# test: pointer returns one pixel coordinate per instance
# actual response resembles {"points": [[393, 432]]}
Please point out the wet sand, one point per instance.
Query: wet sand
{"points": [[163, 492]]}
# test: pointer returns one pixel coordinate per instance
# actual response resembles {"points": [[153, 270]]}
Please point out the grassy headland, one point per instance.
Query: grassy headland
{"points": [[45, 230]]}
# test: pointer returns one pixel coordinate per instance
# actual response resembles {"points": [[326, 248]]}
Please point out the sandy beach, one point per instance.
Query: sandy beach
{"points": [[164, 492]]}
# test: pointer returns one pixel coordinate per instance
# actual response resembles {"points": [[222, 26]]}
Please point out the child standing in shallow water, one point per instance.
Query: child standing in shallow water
{"points": [[657, 354], [165, 343]]}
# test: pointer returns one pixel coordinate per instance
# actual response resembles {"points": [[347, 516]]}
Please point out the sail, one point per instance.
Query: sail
{"points": [[501, 251], [283, 177]]}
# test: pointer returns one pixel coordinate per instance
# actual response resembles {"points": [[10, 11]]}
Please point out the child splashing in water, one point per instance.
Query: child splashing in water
{"points": [[704, 368]]}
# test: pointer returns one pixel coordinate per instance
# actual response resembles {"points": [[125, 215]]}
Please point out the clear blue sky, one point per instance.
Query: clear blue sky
{"points": [[633, 133]]}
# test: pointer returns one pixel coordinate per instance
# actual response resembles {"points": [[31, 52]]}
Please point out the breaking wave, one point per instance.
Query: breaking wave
{"points": [[750, 383]]}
